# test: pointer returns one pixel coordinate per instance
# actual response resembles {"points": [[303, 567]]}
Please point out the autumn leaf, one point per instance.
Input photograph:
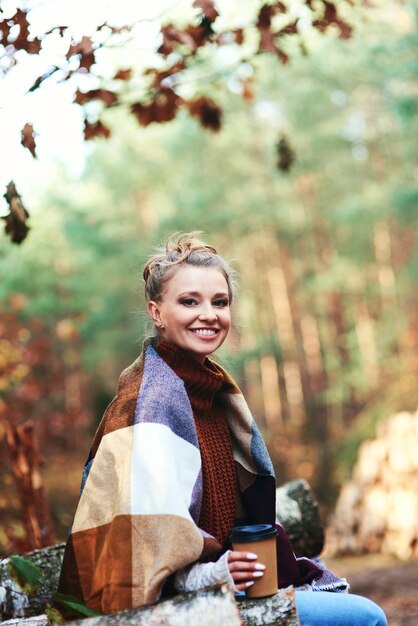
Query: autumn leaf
{"points": [[15, 227], [199, 34], [28, 139], [331, 16], [160, 76], [268, 44], [285, 153], [208, 112], [230, 36], [266, 14], [123, 74], [290, 29], [105, 95], [208, 9], [98, 129], [53, 615], [21, 20], [173, 36], [86, 52], [162, 109], [22, 41], [247, 89], [5, 27], [238, 35], [118, 29], [267, 36]]}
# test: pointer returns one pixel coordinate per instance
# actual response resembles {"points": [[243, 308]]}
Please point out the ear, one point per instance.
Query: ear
{"points": [[154, 313]]}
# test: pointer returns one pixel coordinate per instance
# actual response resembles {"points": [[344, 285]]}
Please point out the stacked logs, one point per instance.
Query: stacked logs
{"points": [[377, 510]]}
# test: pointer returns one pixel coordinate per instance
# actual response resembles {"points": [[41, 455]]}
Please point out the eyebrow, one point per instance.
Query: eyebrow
{"points": [[198, 293]]}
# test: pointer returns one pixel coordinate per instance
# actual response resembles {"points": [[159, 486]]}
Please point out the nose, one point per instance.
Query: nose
{"points": [[208, 313]]}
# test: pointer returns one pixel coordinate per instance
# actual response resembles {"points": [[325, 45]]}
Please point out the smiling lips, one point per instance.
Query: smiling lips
{"points": [[205, 332]]}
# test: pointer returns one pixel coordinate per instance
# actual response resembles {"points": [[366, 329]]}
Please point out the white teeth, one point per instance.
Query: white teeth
{"points": [[204, 331]]}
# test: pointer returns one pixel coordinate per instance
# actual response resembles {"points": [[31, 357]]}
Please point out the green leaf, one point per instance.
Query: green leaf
{"points": [[27, 575], [54, 616], [75, 604]]}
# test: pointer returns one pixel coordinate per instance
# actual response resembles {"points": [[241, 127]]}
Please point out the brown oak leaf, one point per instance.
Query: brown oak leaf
{"points": [[268, 44], [28, 139], [173, 36], [108, 97], [5, 27], [208, 9], [230, 36], [208, 112], [123, 74], [15, 227], [163, 108], [85, 50], [22, 41], [96, 129], [266, 14], [331, 16], [291, 28], [160, 76], [247, 89], [199, 34], [285, 154]]}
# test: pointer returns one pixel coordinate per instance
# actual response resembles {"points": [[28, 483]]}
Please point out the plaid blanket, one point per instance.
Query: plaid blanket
{"points": [[137, 518]]}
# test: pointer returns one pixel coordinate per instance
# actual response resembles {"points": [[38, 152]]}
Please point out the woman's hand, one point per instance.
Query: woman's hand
{"points": [[244, 569]]}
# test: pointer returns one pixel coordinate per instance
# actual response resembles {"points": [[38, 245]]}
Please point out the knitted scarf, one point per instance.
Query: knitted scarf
{"points": [[137, 518]]}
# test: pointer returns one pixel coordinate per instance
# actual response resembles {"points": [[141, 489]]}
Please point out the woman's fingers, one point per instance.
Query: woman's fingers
{"points": [[244, 561], [235, 555], [243, 586], [244, 568]]}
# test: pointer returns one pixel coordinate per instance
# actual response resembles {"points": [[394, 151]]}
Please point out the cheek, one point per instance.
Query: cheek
{"points": [[226, 320], [179, 317]]}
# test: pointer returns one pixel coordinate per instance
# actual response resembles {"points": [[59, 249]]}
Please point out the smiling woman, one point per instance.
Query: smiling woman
{"points": [[178, 461], [189, 289], [193, 312]]}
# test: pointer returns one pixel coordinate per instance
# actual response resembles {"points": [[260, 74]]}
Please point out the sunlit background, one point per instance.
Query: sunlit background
{"points": [[325, 338]]}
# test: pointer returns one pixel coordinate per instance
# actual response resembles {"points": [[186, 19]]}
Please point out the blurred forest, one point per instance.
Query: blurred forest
{"points": [[326, 334]]}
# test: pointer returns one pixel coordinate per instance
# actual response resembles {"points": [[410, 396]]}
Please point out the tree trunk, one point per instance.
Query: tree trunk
{"points": [[213, 606], [26, 466]]}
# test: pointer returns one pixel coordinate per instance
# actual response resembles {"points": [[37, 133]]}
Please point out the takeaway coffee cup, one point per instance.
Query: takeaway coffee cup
{"points": [[261, 539]]}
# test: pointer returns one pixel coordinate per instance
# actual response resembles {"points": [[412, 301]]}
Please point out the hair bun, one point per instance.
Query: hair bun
{"points": [[186, 243]]}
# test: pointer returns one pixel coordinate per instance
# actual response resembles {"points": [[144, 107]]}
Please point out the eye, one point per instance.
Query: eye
{"points": [[189, 302], [221, 302]]}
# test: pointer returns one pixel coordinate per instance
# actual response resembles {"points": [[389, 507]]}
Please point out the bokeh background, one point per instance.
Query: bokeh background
{"points": [[309, 188]]}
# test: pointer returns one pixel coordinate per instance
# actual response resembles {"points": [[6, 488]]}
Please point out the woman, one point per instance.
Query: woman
{"points": [[178, 460]]}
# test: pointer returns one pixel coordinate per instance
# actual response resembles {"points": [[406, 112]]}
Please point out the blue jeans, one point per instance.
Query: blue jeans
{"points": [[322, 608]]}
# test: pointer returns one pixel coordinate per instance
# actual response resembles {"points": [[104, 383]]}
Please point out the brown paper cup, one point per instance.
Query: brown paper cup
{"points": [[260, 539]]}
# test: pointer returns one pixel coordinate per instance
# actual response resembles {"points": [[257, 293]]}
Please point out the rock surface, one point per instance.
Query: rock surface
{"points": [[14, 603], [298, 511]]}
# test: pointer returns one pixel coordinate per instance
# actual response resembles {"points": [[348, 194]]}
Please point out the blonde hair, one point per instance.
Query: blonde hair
{"points": [[188, 249]]}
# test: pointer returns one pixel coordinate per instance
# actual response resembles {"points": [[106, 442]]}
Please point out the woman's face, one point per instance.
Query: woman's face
{"points": [[194, 311]]}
